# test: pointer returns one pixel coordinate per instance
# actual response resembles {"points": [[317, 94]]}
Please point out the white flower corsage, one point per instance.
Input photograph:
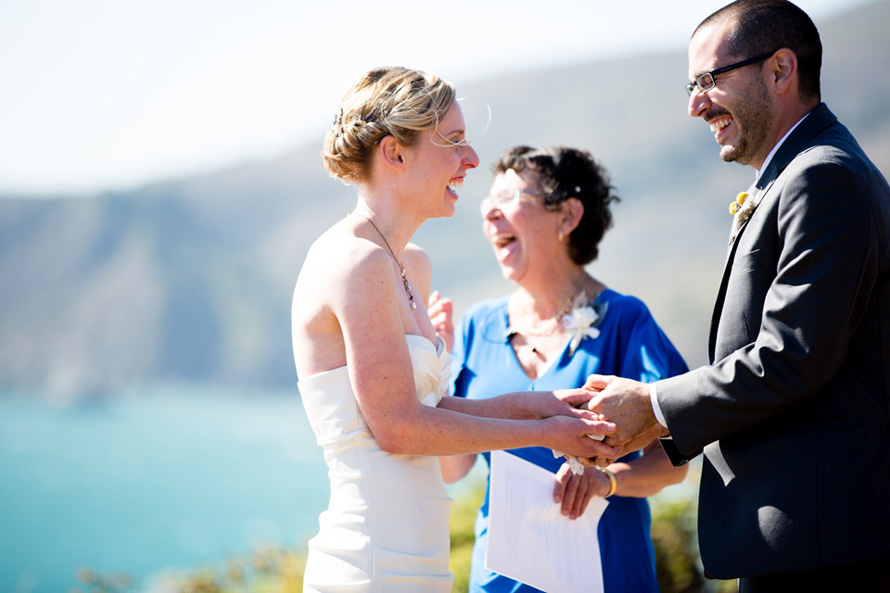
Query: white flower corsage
{"points": [[582, 321]]}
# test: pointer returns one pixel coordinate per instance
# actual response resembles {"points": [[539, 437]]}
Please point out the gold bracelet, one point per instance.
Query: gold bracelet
{"points": [[613, 481]]}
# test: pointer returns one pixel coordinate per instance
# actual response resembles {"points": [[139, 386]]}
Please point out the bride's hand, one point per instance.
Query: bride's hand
{"points": [[575, 398], [572, 436], [562, 402]]}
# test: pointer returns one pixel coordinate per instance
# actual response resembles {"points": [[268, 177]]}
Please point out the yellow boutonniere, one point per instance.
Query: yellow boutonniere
{"points": [[737, 204]]}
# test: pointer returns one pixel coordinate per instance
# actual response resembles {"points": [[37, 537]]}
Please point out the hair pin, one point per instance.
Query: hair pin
{"points": [[372, 117]]}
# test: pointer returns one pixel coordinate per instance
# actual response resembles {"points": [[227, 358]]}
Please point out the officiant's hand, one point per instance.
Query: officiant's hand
{"points": [[626, 403], [575, 492], [441, 312]]}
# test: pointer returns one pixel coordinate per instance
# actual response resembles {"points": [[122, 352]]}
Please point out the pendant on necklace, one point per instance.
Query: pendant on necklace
{"points": [[408, 288]]}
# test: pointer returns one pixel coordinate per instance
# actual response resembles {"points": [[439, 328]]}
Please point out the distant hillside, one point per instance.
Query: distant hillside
{"points": [[190, 279]]}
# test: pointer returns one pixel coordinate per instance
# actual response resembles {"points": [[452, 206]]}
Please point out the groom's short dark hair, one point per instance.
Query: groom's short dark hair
{"points": [[762, 26]]}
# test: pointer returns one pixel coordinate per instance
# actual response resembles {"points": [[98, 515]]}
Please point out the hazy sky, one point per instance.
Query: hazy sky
{"points": [[100, 94]]}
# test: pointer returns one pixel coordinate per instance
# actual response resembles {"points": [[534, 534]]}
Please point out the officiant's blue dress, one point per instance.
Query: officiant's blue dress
{"points": [[630, 345]]}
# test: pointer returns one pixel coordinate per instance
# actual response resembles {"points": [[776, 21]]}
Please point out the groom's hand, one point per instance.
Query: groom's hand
{"points": [[627, 404]]}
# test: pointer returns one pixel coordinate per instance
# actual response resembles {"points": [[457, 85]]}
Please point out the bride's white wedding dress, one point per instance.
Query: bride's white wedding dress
{"points": [[386, 525]]}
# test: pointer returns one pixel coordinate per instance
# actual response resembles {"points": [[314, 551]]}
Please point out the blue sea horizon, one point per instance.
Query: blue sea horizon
{"points": [[151, 482]]}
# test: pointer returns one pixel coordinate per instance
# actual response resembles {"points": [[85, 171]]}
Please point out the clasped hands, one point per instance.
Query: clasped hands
{"points": [[625, 409], [626, 404]]}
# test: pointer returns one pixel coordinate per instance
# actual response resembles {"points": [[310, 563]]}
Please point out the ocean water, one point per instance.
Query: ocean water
{"points": [[150, 482]]}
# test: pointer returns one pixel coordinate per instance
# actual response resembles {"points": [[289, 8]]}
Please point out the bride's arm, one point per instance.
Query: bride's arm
{"points": [[380, 370], [518, 405], [523, 405]]}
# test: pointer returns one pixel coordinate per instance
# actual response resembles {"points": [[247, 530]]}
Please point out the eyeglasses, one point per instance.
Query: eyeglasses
{"points": [[706, 82], [506, 197]]}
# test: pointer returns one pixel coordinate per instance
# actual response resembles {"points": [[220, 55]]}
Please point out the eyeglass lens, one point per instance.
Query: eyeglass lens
{"points": [[705, 82], [501, 198]]}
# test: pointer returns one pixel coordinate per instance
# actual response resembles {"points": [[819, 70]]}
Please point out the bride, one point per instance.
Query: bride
{"points": [[373, 374]]}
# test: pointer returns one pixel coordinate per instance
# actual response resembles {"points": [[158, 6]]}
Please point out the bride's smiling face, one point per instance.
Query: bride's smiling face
{"points": [[440, 160]]}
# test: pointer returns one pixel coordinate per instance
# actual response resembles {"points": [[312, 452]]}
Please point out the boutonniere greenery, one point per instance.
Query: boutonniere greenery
{"points": [[583, 320]]}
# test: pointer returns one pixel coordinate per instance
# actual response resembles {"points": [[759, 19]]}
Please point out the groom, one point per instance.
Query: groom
{"points": [[793, 413]]}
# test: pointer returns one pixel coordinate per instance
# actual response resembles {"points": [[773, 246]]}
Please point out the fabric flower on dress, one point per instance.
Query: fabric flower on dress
{"points": [[582, 321]]}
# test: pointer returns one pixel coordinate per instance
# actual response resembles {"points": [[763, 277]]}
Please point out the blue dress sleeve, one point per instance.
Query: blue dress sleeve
{"points": [[461, 375], [458, 386], [649, 355]]}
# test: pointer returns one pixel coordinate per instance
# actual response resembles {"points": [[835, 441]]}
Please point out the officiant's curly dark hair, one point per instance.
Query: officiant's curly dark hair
{"points": [[565, 173]]}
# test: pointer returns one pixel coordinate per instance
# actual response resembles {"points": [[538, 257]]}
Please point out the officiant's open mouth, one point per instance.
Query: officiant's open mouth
{"points": [[502, 241]]}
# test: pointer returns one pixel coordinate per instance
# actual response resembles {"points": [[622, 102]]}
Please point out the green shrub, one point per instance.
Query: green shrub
{"points": [[676, 549], [462, 522]]}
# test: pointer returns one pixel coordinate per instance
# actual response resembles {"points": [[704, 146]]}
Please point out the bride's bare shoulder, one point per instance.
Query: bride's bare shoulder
{"points": [[339, 266], [340, 253]]}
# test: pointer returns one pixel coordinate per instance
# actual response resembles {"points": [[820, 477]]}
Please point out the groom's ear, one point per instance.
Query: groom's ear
{"points": [[782, 71]]}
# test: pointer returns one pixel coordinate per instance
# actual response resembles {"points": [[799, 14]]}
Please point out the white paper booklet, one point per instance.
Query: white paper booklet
{"points": [[529, 540]]}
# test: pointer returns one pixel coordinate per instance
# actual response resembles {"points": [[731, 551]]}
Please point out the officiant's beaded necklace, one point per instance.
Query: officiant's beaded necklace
{"points": [[401, 267], [555, 322]]}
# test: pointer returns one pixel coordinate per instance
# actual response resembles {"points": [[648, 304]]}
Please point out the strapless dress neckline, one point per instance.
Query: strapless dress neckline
{"points": [[386, 526]]}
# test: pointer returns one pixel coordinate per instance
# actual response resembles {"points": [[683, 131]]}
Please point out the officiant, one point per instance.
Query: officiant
{"points": [[545, 216]]}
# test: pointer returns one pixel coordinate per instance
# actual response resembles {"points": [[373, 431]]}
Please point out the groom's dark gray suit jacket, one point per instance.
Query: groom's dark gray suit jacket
{"points": [[793, 414]]}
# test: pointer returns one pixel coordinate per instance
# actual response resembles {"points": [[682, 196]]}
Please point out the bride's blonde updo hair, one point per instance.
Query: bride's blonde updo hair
{"points": [[385, 101]]}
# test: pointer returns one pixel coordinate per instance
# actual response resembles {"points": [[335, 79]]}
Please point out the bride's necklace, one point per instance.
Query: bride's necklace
{"points": [[401, 267]]}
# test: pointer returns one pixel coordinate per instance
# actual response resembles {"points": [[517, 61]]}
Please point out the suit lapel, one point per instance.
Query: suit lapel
{"points": [[818, 119], [758, 193], [724, 281]]}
